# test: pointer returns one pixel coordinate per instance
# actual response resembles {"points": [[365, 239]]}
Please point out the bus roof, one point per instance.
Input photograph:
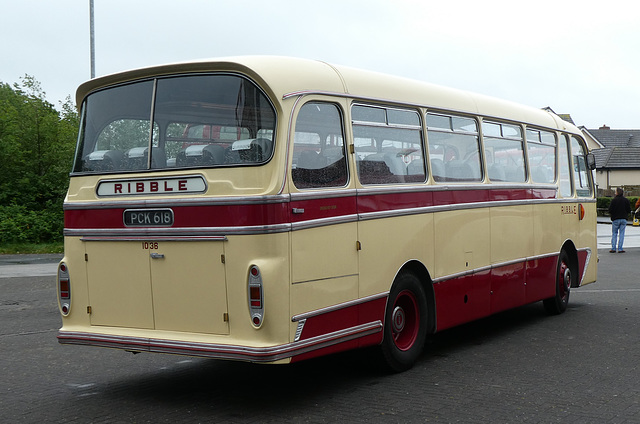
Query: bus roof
{"points": [[282, 76]]}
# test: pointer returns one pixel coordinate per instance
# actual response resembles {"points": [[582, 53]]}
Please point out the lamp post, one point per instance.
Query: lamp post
{"points": [[93, 41]]}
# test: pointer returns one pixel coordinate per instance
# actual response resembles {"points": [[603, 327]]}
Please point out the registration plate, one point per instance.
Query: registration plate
{"points": [[148, 217]]}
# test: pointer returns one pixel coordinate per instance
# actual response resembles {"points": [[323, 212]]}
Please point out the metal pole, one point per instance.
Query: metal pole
{"points": [[93, 41]]}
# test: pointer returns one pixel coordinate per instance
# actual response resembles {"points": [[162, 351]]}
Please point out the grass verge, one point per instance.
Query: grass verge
{"points": [[28, 248]]}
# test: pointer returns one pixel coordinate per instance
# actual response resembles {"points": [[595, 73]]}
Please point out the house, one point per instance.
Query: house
{"points": [[617, 154]]}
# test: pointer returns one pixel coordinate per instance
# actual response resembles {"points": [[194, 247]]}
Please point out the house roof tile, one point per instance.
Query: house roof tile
{"points": [[617, 138], [617, 157]]}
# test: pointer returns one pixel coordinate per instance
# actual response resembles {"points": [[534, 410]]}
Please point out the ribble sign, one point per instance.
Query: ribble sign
{"points": [[147, 186]]}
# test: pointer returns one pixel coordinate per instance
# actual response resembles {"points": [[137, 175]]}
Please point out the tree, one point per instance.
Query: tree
{"points": [[36, 152]]}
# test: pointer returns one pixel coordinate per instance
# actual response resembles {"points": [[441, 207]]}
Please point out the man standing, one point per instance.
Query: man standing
{"points": [[619, 210]]}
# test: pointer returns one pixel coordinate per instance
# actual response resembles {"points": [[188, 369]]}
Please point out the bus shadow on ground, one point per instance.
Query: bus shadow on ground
{"points": [[238, 389], [486, 329]]}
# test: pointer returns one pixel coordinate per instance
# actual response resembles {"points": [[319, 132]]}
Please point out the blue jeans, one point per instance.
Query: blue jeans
{"points": [[617, 227]]}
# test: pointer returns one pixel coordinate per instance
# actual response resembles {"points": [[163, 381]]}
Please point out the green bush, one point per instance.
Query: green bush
{"points": [[603, 203], [20, 225]]}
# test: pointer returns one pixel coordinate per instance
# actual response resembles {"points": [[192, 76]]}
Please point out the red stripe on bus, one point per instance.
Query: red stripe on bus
{"points": [[253, 214], [187, 216]]}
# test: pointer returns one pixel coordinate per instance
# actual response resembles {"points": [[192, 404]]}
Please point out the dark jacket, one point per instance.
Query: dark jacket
{"points": [[619, 208]]}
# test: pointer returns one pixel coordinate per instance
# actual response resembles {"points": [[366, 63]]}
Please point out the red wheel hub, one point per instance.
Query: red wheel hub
{"points": [[405, 320]]}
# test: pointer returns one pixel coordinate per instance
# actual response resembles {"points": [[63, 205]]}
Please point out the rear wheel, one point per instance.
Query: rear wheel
{"points": [[564, 279], [405, 326]]}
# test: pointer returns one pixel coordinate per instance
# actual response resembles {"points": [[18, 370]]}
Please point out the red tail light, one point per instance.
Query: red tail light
{"points": [[64, 289], [256, 296]]}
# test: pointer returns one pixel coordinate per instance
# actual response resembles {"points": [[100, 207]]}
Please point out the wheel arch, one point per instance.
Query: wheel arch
{"points": [[571, 250], [418, 269]]}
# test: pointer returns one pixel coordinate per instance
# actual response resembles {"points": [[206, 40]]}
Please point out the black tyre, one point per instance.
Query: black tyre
{"points": [[564, 279], [405, 323]]}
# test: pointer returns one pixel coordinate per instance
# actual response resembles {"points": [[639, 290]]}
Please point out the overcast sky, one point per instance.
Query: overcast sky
{"points": [[580, 57]]}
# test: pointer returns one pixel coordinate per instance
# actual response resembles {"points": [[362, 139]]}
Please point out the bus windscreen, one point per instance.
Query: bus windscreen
{"points": [[178, 122]]}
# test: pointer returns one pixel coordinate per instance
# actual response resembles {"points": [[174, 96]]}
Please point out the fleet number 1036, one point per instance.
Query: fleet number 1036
{"points": [[149, 245]]}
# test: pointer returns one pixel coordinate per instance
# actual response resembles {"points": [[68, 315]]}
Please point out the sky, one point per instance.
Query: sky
{"points": [[580, 57]]}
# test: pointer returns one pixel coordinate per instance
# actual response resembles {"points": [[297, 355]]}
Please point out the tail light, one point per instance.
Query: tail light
{"points": [[64, 288], [581, 212], [256, 296]]}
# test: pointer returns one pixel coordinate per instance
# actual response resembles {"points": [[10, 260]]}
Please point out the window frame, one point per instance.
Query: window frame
{"points": [[524, 167], [362, 165], [321, 143], [452, 129]]}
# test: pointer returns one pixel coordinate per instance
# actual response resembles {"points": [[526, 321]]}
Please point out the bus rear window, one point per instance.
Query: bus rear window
{"points": [[178, 122]]}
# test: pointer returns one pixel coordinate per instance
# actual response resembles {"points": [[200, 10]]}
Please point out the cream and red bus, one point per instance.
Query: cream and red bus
{"points": [[272, 209]]}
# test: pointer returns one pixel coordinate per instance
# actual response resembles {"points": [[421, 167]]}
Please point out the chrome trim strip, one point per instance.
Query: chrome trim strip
{"points": [[155, 238], [183, 231], [302, 93], [310, 314], [310, 195], [198, 201], [456, 207], [492, 266], [328, 194], [393, 189], [321, 222], [221, 351], [586, 262]]}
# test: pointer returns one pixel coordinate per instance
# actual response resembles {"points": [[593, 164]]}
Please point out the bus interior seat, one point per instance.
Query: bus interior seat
{"points": [[415, 167], [259, 150], [458, 170], [496, 173], [539, 175], [138, 157], [104, 160], [232, 156], [437, 169], [394, 163], [158, 158], [333, 154], [313, 170], [201, 154], [214, 154], [311, 160], [514, 174], [382, 168]]}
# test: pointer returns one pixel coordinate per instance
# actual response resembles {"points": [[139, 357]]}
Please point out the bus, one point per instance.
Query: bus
{"points": [[275, 209]]}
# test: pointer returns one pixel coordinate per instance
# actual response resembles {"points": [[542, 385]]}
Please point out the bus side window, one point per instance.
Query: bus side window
{"points": [[504, 146], [319, 158], [580, 169], [388, 145], [454, 148], [541, 149], [566, 188]]}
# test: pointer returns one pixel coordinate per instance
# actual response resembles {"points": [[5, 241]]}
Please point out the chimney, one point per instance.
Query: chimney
{"points": [[604, 127]]}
